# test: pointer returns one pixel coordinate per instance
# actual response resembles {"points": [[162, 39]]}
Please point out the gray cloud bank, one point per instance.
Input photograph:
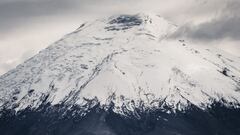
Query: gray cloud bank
{"points": [[14, 13], [226, 25]]}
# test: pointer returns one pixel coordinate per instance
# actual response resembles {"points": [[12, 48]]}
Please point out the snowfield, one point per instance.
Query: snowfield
{"points": [[127, 60]]}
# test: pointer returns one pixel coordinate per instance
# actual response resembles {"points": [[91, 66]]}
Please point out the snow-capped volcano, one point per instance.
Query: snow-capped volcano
{"points": [[127, 60]]}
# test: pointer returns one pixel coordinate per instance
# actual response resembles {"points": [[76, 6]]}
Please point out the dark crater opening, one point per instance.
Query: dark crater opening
{"points": [[124, 22], [127, 20]]}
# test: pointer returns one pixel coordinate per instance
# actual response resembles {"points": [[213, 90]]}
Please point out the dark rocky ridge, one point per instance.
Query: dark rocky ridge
{"points": [[59, 120]]}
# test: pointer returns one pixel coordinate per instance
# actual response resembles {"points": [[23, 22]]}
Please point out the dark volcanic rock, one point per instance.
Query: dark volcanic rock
{"points": [[124, 22], [54, 120]]}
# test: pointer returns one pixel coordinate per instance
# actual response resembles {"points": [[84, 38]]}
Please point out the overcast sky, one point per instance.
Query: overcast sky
{"points": [[27, 26]]}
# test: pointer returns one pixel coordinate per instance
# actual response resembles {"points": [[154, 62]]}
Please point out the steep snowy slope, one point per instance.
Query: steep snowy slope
{"points": [[127, 60]]}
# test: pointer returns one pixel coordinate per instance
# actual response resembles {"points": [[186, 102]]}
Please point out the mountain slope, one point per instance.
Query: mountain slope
{"points": [[126, 60]]}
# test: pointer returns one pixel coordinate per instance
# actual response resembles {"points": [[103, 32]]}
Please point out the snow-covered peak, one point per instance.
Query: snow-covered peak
{"points": [[126, 60], [154, 24]]}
